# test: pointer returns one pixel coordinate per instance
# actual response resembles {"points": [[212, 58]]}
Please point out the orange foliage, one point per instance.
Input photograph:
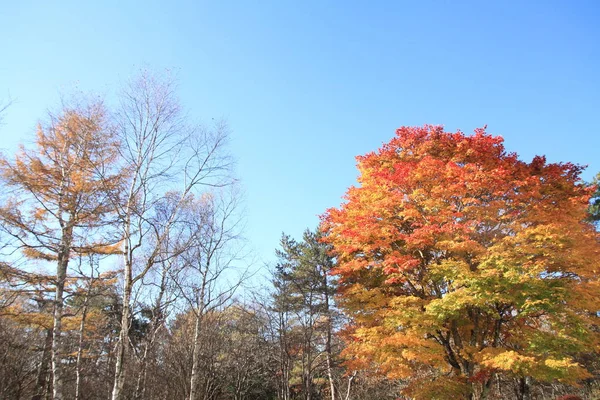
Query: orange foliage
{"points": [[454, 256], [65, 188]]}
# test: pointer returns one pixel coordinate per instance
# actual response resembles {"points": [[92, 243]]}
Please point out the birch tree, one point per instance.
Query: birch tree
{"points": [[163, 154], [208, 265], [163, 294]]}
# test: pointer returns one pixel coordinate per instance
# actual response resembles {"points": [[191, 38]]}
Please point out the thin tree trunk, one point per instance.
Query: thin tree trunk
{"points": [[307, 360], [330, 368], [140, 386], [350, 379], [80, 348], [84, 312], [328, 353], [196, 359], [119, 382], [155, 324], [122, 342], [308, 379], [284, 359], [61, 276]]}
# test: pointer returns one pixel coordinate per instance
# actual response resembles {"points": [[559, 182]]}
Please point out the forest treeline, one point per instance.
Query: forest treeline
{"points": [[453, 270]]}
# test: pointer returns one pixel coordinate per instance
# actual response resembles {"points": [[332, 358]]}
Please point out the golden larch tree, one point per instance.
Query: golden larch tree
{"points": [[61, 196]]}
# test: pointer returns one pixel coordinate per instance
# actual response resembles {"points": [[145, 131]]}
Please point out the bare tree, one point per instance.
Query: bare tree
{"points": [[163, 291], [208, 263], [162, 153]]}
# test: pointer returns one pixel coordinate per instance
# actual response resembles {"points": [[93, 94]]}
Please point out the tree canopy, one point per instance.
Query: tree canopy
{"points": [[459, 263]]}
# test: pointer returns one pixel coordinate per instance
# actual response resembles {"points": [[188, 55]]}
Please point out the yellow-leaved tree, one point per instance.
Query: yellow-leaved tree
{"points": [[58, 200]]}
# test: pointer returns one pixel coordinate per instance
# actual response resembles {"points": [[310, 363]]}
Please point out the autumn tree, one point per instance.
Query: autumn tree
{"points": [[461, 265], [58, 200]]}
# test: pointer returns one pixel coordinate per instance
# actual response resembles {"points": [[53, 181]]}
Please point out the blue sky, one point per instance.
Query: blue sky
{"points": [[308, 85]]}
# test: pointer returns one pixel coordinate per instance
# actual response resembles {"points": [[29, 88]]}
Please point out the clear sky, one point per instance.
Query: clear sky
{"points": [[308, 85]]}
